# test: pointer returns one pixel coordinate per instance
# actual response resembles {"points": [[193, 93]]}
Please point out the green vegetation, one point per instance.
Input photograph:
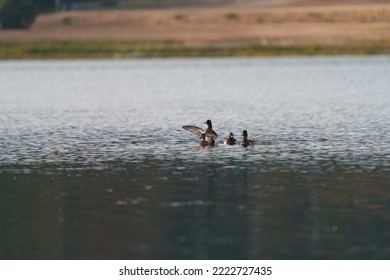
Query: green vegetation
{"points": [[46, 5], [164, 49], [22, 13], [17, 13], [179, 17], [233, 16], [67, 20], [109, 3]]}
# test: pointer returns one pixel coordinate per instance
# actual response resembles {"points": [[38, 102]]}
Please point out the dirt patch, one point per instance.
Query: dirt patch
{"points": [[366, 24]]}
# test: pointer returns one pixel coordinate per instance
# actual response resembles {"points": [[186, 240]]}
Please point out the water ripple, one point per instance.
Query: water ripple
{"points": [[130, 112]]}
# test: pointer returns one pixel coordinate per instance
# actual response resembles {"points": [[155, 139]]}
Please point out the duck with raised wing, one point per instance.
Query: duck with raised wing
{"points": [[209, 133], [245, 142], [230, 140]]}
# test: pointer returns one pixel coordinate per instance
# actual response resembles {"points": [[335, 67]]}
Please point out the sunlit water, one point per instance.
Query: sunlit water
{"points": [[94, 163]]}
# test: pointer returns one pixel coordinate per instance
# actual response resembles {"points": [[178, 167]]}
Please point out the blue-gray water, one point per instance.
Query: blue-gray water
{"points": [[94, 163]]}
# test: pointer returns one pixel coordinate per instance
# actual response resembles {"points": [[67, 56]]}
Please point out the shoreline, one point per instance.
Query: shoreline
{"points": [[75, 50]]}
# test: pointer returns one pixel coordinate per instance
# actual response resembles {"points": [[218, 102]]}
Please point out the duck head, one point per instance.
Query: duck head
{"points": [[208, 122]]}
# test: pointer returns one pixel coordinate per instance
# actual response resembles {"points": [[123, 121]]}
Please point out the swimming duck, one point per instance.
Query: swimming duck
{"points": [[230, 139], [202, 142], [245, 142], [209, 133]]}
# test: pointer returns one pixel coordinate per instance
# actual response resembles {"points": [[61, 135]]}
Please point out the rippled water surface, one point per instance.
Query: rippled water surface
{"points": [[94, 163]]}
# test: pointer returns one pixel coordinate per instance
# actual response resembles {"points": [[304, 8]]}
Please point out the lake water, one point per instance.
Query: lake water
{"points": [[94, 163]]}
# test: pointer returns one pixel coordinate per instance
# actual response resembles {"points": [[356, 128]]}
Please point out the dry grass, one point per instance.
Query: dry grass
{"points": [[285, 25]]}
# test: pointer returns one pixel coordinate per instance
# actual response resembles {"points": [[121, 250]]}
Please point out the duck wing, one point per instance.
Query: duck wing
{"points": [[194, 129]]}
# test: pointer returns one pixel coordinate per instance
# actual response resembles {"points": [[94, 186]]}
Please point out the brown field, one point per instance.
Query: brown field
{"points": [[325, 23]]}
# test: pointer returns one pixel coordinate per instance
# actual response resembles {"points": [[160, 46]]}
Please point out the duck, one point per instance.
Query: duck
{"points": [[202, 142], [209, 133], [230, 140], [245, 142]]}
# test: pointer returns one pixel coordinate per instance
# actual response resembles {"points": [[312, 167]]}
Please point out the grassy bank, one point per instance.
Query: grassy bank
{"points": [[47, 50]]}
